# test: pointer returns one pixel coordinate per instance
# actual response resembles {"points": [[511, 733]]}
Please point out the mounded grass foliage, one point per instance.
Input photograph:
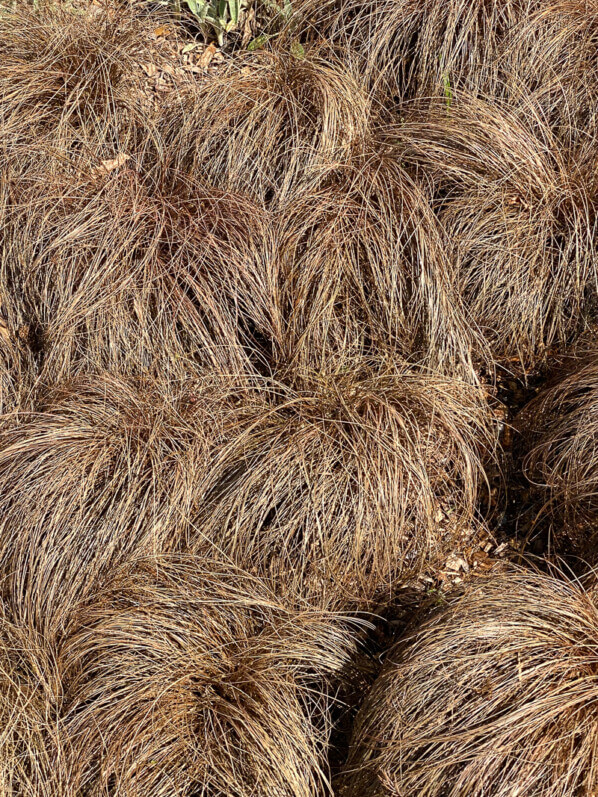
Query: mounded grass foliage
{"points": [[561, 457], [69, 79], [249, 327], [494, 696], [101, 470], [518, 207], [341, 478], [180, 676]]}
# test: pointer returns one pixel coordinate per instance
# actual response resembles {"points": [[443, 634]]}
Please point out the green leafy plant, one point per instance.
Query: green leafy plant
{"points": [[278, 14], [272, 17], [448, 92], [222, 16]]}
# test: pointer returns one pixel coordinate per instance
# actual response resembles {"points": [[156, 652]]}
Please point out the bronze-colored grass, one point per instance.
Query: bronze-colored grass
{"points": [[494, 696], [519, 210], [411, 49], [103, 469], [559, 429], [190, 678], [340, 479], [243, 333], [265, 121], [551, 53], [33, 749], [364, 271], [113, 273], [69, 79], [178, 677]]}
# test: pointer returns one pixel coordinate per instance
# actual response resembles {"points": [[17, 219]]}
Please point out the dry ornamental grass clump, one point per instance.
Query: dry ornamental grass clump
{"points": [[261, 124], [364, 271], [178, 677], [70, 80], [418, 48], [520, 212], [34, 750], [551, 54], [114, 272], [341, 480], [249, 322], [494, 696], [104, 469], [560, 434], [84, 267], [190, 678]]}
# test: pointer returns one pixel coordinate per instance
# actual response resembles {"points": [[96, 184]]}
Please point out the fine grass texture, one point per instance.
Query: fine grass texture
{"points": [[180, 677], [412, 48], [101, 469], [68, 79], [354, 259], [250, 325], [518, 207], [494, 696], [343, 480], [561, 462]]}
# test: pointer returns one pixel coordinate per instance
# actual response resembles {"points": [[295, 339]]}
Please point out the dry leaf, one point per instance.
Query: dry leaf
{"points": [[149, 69], [248, 28], [162, 84], [108, 166], [4, 331], [205, 59]]}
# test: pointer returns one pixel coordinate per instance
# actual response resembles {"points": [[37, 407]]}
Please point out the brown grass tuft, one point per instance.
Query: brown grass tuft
{"points": [[559, 430], [190, 678], [519, 209], [115, 274], [261, 124], [494, 696], [33, 747], [246, 324], [409, 48], [551, 53], [69, 79], [364, 271], [340, 479], [178, 677], [104, 469]]}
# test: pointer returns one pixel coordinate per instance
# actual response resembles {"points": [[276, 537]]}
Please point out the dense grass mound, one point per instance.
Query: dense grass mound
{"points": [[102, 469], [267, 120], [342, 480], [115, 272], [365, 271], [69, 80], [179, 677], [188, 679], [252, 312], [562, 457], [494, 696], [91, 266], [34, 750], [412, 48], [551, 53], [343, 247], [518, 207]]}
